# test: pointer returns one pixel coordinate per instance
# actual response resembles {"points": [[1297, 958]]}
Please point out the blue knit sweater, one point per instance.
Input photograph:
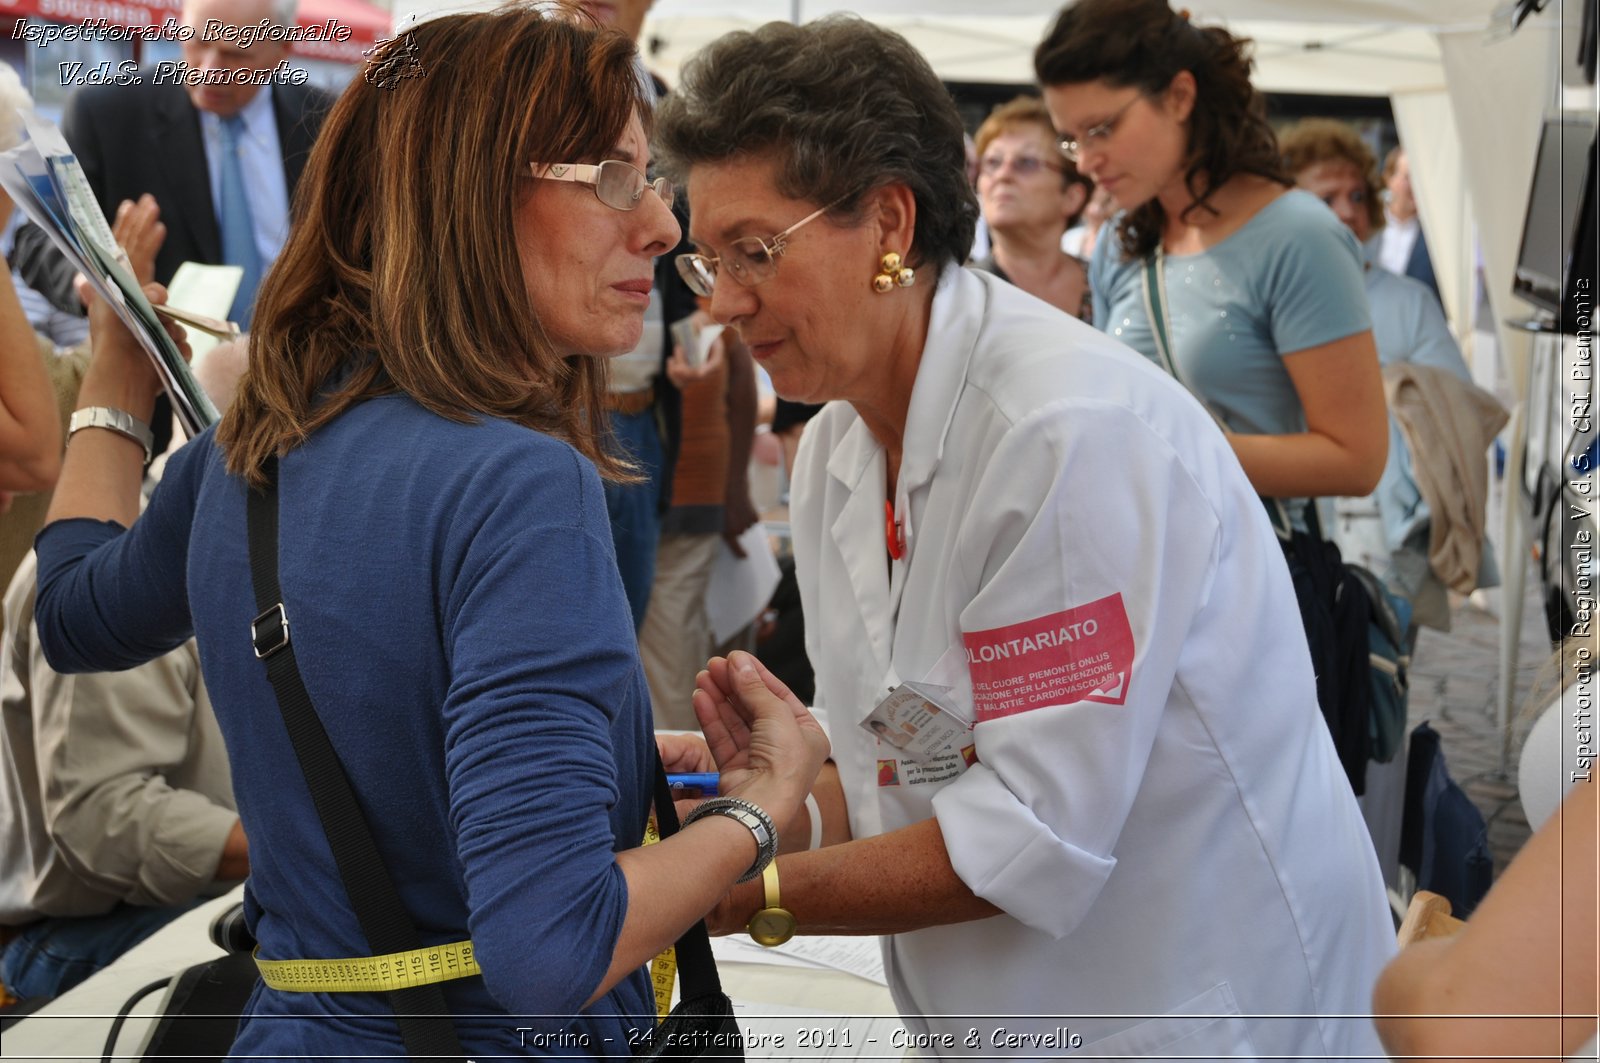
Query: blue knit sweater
{"points": [[460, 625]]}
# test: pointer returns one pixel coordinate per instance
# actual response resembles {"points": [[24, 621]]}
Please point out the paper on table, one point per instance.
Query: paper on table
{"points": [[860, 956], [741, 588], [772, 1031], [743, 950]]}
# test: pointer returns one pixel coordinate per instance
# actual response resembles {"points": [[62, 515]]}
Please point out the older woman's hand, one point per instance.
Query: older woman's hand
{"points": [[680, 371], [684, 753], [767, 745], [139, 230]]}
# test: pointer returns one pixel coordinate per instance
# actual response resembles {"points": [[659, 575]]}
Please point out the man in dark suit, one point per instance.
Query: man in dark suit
{"points": [[1402, 248], [165, 138]]}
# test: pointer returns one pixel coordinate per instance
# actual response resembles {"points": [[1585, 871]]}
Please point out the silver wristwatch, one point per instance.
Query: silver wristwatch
{"points": [[120, 421], [752, 816]]}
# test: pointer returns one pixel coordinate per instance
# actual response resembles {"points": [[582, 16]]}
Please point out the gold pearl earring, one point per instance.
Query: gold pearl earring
{"points": [[891, 274]]}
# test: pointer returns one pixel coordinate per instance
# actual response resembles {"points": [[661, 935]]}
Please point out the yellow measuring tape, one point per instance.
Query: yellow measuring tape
{"points": [[435, 963], [372, 974], [664, 968]]}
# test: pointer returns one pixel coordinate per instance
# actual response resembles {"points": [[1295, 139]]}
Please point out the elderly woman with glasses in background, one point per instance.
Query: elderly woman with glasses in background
{"points": [[1031, 194], [425, 387], [1016, 536], [1387, 531]]}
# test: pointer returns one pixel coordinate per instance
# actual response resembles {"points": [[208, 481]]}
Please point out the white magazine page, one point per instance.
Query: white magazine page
{"points": [[72, 221]]}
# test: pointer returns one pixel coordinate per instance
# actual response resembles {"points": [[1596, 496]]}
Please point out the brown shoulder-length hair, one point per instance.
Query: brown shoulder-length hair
{"points": [[1143, 44], [1318, 140], [401, 271]]}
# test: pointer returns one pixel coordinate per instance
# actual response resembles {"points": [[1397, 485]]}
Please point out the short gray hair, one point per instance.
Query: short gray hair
{"points": [[842, 107]]}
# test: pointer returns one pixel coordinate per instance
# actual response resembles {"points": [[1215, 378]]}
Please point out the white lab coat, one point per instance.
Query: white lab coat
{"points": [[1186, 844]]}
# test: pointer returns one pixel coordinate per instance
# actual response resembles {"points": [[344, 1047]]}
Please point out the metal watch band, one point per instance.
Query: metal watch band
{"points": [[752, 816], [119, 421]]}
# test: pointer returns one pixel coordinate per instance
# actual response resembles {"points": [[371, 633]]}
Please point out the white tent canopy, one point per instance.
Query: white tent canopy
{"points": [[1348, 48]]}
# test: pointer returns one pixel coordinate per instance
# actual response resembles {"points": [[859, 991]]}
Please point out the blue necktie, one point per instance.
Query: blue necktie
{"points": [[238, 229]]}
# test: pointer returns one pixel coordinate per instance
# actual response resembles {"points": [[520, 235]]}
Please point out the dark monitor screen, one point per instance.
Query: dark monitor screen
{"points": [[1561, 174]]}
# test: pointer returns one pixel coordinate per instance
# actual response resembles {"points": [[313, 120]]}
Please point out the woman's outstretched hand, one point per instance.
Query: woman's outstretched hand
{"points": [[767, 745]]}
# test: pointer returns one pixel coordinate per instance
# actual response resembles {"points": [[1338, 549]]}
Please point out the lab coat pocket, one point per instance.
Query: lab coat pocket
{"points": [[1208, 1026]]}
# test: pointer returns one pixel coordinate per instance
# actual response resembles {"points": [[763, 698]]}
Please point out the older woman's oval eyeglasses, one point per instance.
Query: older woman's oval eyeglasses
{"points": [[1022, 165], [616, 184], [750, 260], [1095, 136]]}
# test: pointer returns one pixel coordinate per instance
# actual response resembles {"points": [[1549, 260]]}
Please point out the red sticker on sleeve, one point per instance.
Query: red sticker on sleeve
{"points": [[1081, 654]]}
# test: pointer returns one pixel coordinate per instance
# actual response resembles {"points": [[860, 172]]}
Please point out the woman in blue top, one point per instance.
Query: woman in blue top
{"points": [[475, 236], [1268, 321]]}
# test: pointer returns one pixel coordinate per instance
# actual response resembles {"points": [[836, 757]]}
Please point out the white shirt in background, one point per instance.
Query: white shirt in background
{"points": [[1396, 241]]}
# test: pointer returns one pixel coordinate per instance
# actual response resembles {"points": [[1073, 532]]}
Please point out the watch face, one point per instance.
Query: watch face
{"points": [[771, 926]]}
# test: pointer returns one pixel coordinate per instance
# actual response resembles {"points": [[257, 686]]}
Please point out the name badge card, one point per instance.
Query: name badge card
{"points": [[919, 721]]}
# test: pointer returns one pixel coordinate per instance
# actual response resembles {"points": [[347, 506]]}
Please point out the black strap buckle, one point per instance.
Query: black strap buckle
{"points": [[269, 632]]}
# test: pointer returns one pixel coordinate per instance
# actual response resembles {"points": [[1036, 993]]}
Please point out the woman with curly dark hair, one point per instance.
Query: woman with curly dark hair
{"points": [[1257, 287]]}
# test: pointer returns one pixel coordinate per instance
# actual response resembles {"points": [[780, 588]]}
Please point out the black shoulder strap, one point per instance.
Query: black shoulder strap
{"points": [[424, 1017], [697, 969]]}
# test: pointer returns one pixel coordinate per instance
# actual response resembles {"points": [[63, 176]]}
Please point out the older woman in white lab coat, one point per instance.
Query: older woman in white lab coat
{"points": [[1121, 826]]}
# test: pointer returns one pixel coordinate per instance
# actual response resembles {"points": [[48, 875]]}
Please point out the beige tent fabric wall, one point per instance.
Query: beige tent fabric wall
{"points": [[1500, 92], [1427, 127]]}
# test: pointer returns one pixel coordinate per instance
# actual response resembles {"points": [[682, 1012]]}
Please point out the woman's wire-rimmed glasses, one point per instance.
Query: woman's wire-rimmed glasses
{"points": [[616, 184], [1021, 165], [1096, 135], [749, 259]]}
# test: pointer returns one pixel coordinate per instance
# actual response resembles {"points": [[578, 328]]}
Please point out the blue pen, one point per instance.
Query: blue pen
{"points": [[702, 783]]}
